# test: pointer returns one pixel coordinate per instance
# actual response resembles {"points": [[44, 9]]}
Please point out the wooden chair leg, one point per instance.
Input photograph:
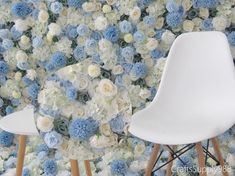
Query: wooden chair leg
{"points": [[219, 156], [74, 167], [152, 160], [201, 159], [88, 167], [169, 166], [20, 155]]}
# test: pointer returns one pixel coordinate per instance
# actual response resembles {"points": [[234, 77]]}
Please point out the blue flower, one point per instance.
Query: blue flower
{"points": [[172, 6], [117, 124], [7, 44], [174, 19], [139, 36], [15, 34], [79, 53], [127, 52], [143, 3], [56, 7], [27, 81], [111, 33], [53, 139], [149, 20], [125, 26], [153, 92], [205, 3], [96, 35], [4, 33], [1, 102], [139, 70], [82, 129], [231, 38], [20, 9], [50, 167], [71, 93], [188, 162], [90, 44], [58, 59], [156, 54], [9, 109], [22, 65], [3, 68], [26, 172], [33, 90], [207, 24], [82, 30], [37, 42], [96, 58], [2, 79], [75, 3], [118, 167], [6, 139], [71, 32], [42, 148], [127, 67]]}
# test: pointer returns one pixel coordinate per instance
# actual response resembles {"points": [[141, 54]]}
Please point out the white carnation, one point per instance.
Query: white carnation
{"points": [[101, 23]]}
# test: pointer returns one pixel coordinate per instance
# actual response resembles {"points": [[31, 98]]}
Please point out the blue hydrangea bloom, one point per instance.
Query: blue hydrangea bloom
{"points": [[111, 33], [20, 9], [71, 93], [4, 33], [127, 52], [188, 161], [6, 139], [125, 26], [90, 43], [207, 24], [25, 172], [75, 3], [2, 79], [139, 70], [153, 92], [231, 38], [174, 19], [172, 6], [96, 58], [58, 59], [79, 53], [3, 68], [1, 102], [118, 167], [143, 3], [37, 42], [156, 54], [33, 90], [50, 167], [82, 30], [53, 139], [117, 124], [15, 34], [7, 44], [96, 35], [9, 109], [139, 36], [42, 148], [49, 66], [56, 7], [205, 3], [149, 20], [82, 129], [71, 32], [127, 67]]}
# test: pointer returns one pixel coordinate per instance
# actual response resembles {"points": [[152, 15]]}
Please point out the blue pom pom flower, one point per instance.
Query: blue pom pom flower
{"points": [[139, 70], [6, 139], [58, 59], [50, 167], [174, 19], [111, 33], [231, 38], [3, 68], [20, 9], [118, 167]]}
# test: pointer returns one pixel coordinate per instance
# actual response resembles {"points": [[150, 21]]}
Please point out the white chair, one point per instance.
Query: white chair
{"points": [[195, 100], [23, 124]]}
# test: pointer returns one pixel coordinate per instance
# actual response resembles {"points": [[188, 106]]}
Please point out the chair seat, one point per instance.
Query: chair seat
{"points": [[171, 128], [21, 122]]}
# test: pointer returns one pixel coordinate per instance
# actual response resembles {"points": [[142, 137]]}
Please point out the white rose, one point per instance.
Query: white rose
{"points": [[21, 25], [117, 69], [144, 93], [188, 25], [31, 74], [93, 71], [54, 29], [204, 13], [159, 23], [24, 40], [82, 83], [43, 16], [103, 141], [219, 23], [135, 13], [168, 37], [105, 129], [21, 56], [101, 23], [89, 6], [151, 44], [44, 124], [187, 4], [107, 88], [104, 45], [139, 149]]}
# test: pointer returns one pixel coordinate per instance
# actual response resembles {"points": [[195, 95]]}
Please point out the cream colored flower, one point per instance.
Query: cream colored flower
{"points": [[151, 44], [106, 8], [204, 13], [54, 29], [117, 69], [21, 56], [93, 71], [43, 16], [44, 124], [103, 141], [188, 25], [144, 93], [21, 25], [219, 23], [135, 13], [168, 37], [24, 40], [128, 38], [101, 23], [107, 88], [105, 129], [105, 45], [31, 74], [139, 149]]}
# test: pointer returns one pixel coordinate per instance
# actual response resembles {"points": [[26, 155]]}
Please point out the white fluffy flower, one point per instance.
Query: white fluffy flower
{"points": [[117, 69], [93, 70], [54, 29], [144, 93], [90, 6], [31, 74], [135, 13], [43, 16], [168, 37], [103, 141], [107, 88], [139, 149], [151, 44], [219, 23], [188, 25], [204, 13], [105, 129], [21, 56], [105, 45], [101, 23], [44, 124], [21, 25]]}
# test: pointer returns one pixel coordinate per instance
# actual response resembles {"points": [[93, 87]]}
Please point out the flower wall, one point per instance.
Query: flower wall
{"points": [[87, 66]]}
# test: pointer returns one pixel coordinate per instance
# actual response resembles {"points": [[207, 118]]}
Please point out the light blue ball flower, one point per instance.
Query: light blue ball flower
{"points": [[7, 44], [79, 53], [139, 36], [6, 139], [231, 38], [50, 167], [20, 9], [83, 129], [172, 6], [127, 52], [71, 93], [125, 26], [56, 7], [82, 30], [174, 19], [96, 35], [96, 58], [90, 44], [139, 70], [26, 172], [53, 139], [143, 3], [2, 79], [207, 25], [187, 160], [156, 54], [71, 32], [3, 68], [4, 33], [9, 109], [117, 124], [149, 20], [205, 3], [75, 3], [15, 34], [58, 59], [37, 42], [22, 65], [118, 167], [33, 90], [111, 33]]}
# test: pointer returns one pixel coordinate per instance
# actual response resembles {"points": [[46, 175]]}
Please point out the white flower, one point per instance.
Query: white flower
{"points": [[90, 6], [101, 23], [31, 74], [103, 141], [105, 45], [219, 23], [107, 88], [21, 56], [54, 29], [93, 71], [204, 13], [144, 93], [135, 13], [151, 44], [43, 16], [44, 124], [139, 149], [188, 25], [24, 40], [117, 69], [168, 37], [105, 129], [106, 8], [231, 160], [21, 25]]}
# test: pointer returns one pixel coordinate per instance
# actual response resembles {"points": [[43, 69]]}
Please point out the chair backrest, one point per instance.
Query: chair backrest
{"points": [[199, 74]]}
